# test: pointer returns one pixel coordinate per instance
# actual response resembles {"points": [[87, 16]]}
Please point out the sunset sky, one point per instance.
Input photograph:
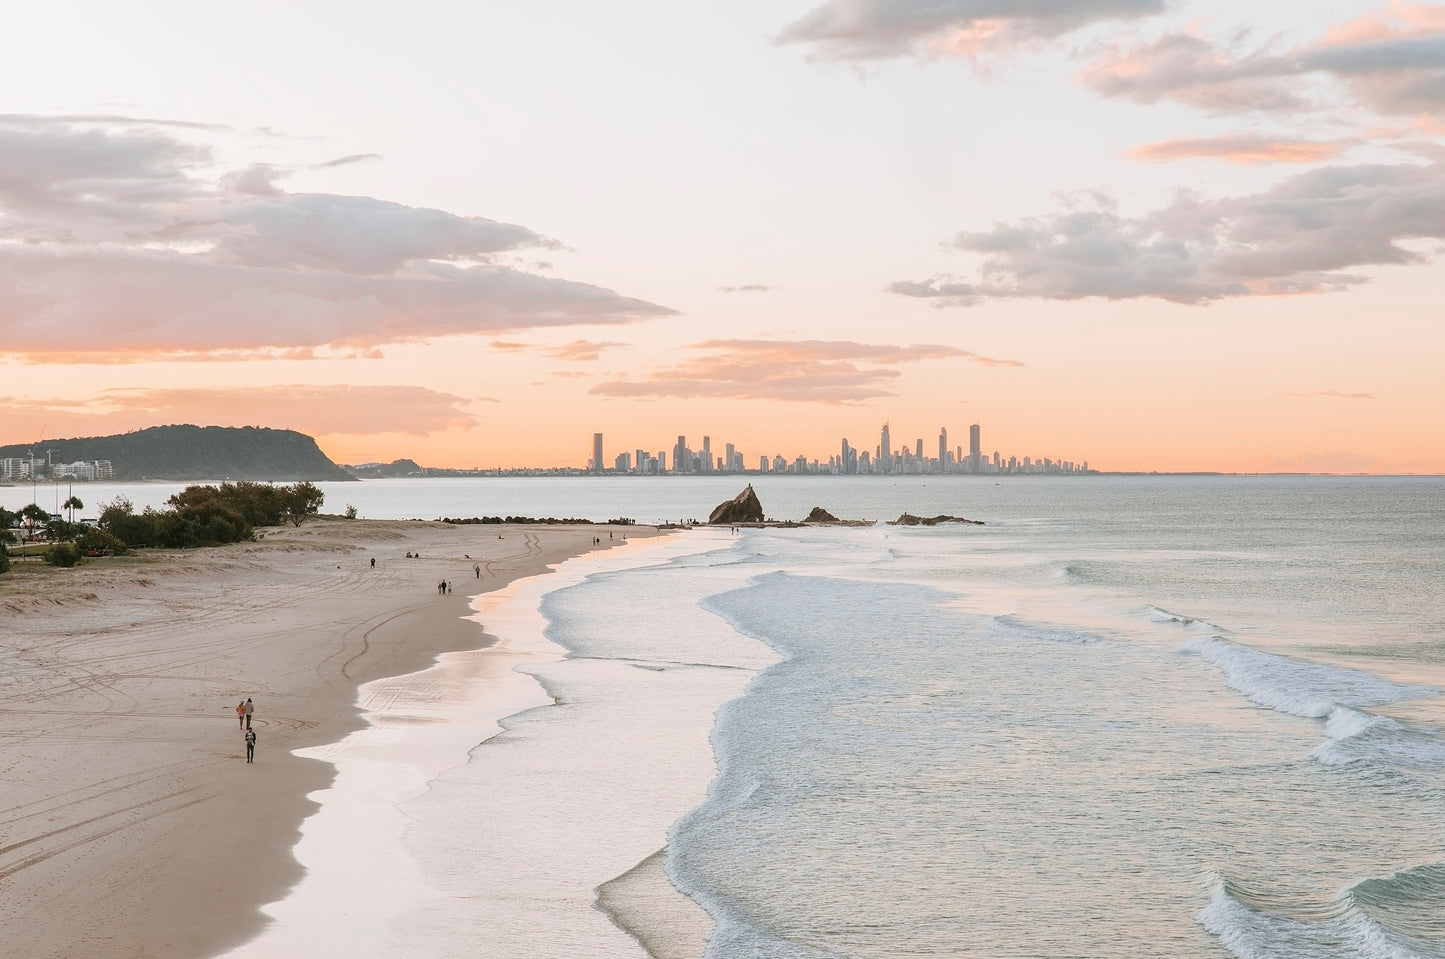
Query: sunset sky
{"points": [[1152, 235]]}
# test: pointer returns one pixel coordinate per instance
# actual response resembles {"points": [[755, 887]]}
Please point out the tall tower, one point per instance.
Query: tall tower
{"points": [[943, 449], [596, 452], [975, 450], [885, 452]]}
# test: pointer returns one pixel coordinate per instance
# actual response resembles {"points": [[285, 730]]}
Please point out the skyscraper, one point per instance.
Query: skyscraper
{"points": [[943, 449], [975, 450], [885, 452], [596, 452]]}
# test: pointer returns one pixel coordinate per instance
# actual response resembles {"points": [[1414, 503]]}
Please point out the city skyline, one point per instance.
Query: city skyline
{"points": [[883, 459], [1188, 235]]}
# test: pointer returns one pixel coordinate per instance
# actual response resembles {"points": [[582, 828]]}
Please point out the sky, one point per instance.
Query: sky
{"points": [[1146, 234]]}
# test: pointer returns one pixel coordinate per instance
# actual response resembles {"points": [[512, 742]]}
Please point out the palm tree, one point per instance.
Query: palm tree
{"points": [[73, 504], [34, 516]]}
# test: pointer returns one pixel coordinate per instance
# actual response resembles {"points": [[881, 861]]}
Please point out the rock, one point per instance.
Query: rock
{"points": [[820, 515], [743, 508], [908, 519]]}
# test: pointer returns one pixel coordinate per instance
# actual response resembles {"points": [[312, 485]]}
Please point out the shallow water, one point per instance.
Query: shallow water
{"points": [[1128, 717]]}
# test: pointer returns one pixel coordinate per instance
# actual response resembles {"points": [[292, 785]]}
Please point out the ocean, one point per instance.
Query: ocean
{"points": [[1127, 716]]}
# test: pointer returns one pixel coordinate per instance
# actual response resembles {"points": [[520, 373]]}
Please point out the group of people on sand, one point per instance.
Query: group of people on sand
{"points": [[244, 709]]}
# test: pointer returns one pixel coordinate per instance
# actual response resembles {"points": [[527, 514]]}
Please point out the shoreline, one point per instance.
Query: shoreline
{"points": [[371, 850], [131, 824]]}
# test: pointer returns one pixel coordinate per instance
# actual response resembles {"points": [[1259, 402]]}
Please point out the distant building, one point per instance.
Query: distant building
{"points": [[597, 466], [975, 450]]}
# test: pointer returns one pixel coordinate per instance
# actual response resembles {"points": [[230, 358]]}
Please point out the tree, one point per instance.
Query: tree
{"points": [[7, 519], [302, 500], [34, 516], [73, 504]]}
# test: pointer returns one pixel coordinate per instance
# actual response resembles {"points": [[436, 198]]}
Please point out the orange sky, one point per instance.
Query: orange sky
{"points": [[1123, 232]]}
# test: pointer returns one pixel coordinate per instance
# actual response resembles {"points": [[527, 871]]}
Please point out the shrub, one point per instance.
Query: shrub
{"points": [[63, 554], [99, 541], [4, 560]]}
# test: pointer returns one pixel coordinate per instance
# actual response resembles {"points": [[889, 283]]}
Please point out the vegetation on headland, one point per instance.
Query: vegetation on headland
{"points": [[188, 452], [196, 516]]}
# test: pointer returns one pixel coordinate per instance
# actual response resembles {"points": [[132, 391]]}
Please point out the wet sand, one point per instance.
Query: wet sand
{"points": [[130, 823]]}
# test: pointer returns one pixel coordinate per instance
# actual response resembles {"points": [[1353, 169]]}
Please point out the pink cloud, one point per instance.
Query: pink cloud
{"points": [[832, 372], [1240, 149], [1391, 62], [315, 410]]}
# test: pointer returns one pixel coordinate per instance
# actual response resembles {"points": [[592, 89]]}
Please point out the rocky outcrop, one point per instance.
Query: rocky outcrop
{"points": [[908, 519], [743, 508], [820, 515]]}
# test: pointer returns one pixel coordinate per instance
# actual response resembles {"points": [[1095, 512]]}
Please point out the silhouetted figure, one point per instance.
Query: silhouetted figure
{"points": [[373, 562], [250, 745], [249, 710]]}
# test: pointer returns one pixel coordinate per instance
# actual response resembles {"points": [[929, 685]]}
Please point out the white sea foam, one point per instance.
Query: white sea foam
{"points": [[1393, 918], [1298, 687]]}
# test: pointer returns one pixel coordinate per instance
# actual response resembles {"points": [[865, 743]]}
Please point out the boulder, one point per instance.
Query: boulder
{"points": [[743, 508], [820, 515]]}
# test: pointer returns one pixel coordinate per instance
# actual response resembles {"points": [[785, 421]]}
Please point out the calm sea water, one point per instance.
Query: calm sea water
{"points": [[1129, 716]]}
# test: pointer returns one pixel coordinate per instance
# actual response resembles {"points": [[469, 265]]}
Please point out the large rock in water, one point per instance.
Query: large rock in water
{"points": [[743, 508], [908, 519], [820, 515]]}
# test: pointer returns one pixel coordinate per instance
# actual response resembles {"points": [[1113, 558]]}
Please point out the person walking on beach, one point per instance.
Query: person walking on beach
{"points": [[241, 715], [478, 570], [250, 745], [249, 710]]}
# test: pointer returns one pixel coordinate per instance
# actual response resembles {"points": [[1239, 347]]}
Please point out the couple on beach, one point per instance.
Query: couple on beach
{"points": [[244, 709]]}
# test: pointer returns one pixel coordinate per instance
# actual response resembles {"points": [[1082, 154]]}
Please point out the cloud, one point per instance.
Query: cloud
{"points": [[121, 241], [748, 288], [581, 350], [837, 372], [1335, 394], [875, 29], [1391, 62], [1303, 235], [1242, 149], [314, 410], [140, 302], [347, 160]]}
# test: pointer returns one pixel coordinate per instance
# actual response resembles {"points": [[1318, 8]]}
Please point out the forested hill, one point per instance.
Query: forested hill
{"points": [[195, 453]]}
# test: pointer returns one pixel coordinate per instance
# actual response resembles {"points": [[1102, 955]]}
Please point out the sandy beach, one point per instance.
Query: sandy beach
{"points": [[130, 823]]}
